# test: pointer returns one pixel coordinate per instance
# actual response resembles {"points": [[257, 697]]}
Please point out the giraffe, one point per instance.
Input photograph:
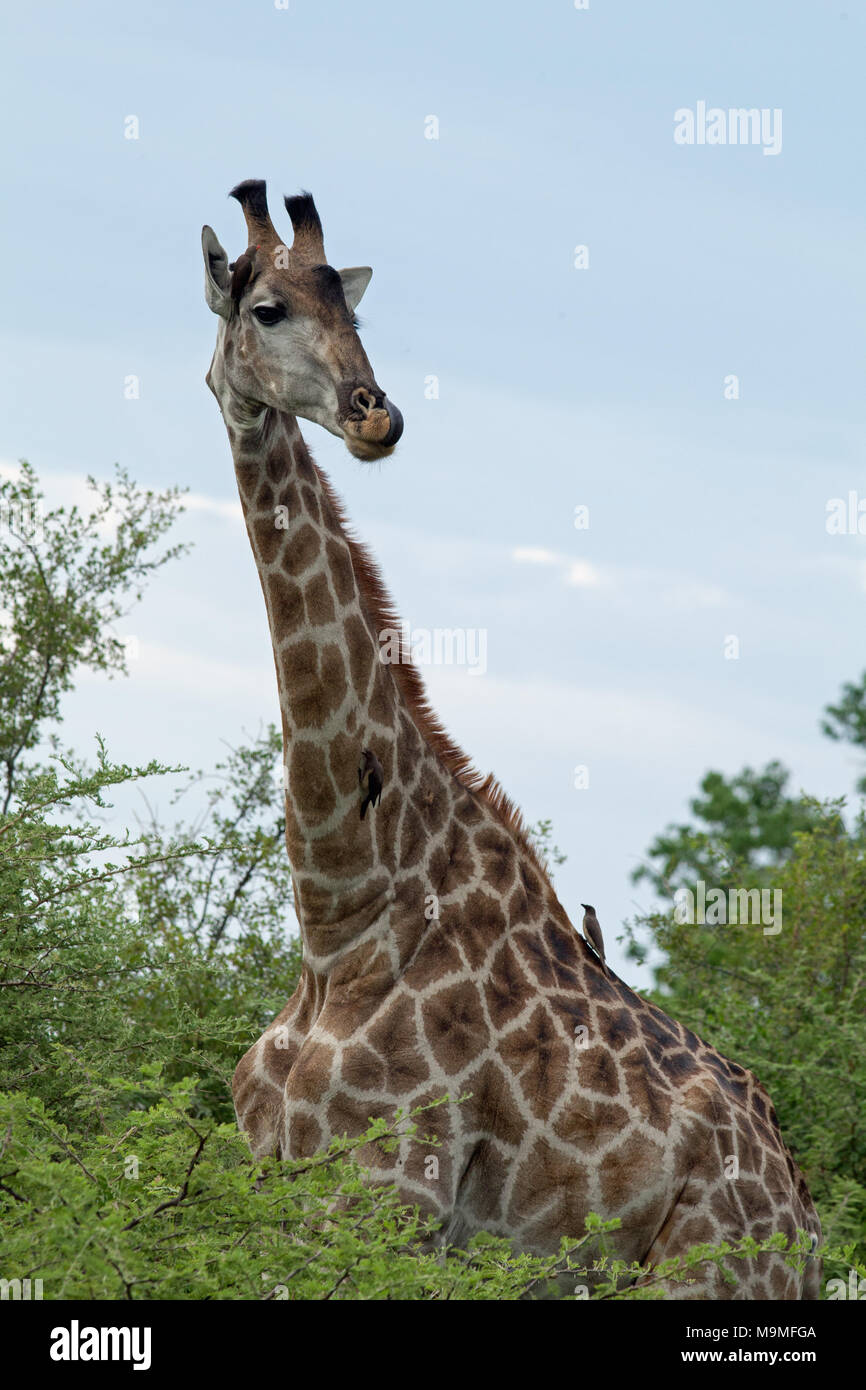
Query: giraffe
{"points": [[437, 959]]}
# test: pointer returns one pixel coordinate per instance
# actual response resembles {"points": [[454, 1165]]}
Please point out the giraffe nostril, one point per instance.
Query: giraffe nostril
{"points": [[363, 400]]}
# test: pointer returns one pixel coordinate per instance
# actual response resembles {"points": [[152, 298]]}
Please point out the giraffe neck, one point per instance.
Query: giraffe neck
{"points": [[440, 826], [336, 696]]}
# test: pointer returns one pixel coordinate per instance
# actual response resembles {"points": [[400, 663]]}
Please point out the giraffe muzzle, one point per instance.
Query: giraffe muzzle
{"points": [[373, 425]]}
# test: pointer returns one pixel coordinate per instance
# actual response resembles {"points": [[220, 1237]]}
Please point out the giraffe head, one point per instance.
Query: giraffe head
{"points": [[287, 336]]}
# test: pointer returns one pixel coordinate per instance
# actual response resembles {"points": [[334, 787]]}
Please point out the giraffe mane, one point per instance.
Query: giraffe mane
{"points": [[380, 608]]}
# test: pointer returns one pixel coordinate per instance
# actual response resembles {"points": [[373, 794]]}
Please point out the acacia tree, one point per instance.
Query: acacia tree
{"points": [[66, 577], [169, 943]]}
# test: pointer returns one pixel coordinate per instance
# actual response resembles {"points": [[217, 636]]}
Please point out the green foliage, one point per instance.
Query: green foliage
{"points": [[118, 949], [157, 1205], [541, 835], [222, 919], [65, 579]]}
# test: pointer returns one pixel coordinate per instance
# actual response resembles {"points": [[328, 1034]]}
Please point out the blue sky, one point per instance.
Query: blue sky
{"points": [[557, 386]]}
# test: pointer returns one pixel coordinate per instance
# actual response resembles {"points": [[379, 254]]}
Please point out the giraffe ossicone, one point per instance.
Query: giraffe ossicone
{"points": [[583, 1097]]}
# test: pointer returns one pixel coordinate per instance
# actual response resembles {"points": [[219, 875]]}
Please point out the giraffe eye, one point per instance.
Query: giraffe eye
{"points": [[269, 313]]}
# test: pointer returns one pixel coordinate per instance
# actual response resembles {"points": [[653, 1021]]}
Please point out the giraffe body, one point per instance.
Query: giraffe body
{"points": [[437, 959]]}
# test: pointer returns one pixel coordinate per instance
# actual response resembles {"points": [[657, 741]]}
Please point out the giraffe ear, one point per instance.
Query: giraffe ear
{"points": [[217, 281], [355, 281]]}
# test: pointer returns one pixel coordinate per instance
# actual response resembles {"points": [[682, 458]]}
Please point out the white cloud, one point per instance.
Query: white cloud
{"points": [[582, 575], [199, 502], [679, 592], [579, 574], [535, 555], [183, 669]]}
